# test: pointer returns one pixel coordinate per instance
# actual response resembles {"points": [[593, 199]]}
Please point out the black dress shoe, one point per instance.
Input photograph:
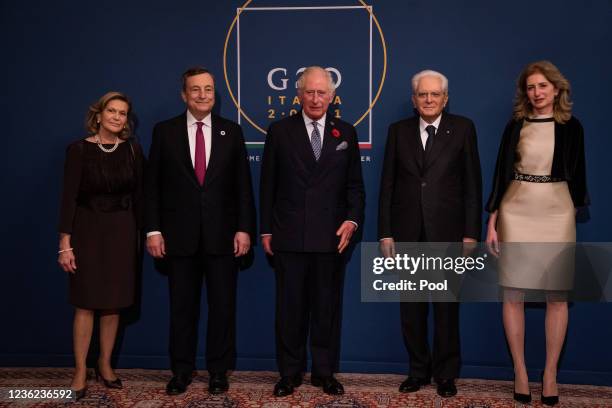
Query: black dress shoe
{"points": [[550, 400], [330, 384], [217, 383], [287, 385], [446, 387], [413, 384], [178, 384]]}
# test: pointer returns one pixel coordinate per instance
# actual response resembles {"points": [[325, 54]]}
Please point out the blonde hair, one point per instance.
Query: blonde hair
{"points": [[91, 119], [562, 107]]}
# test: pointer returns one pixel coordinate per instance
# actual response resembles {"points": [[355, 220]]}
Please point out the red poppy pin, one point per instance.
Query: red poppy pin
{"points": [[335, 133]]}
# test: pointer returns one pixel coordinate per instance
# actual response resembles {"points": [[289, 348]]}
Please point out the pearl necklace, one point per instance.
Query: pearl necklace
{"points": [[104, 149]]}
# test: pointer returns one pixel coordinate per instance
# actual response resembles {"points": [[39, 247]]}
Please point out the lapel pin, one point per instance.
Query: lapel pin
{"points": [[222, 133]]}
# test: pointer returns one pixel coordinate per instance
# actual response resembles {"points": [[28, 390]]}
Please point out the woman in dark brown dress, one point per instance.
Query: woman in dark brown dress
{"points": [[99, 229]]}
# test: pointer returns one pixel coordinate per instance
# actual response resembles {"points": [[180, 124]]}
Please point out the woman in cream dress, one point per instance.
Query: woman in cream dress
{"points": [[539, 181]]}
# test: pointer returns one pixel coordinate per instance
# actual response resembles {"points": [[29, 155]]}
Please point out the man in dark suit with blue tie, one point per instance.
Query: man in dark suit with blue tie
{"points": [[312, 201], [200, 217], [430, 191]]}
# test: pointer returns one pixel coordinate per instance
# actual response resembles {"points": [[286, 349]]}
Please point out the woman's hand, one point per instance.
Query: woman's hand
{"points": [[66, 258], [67, 261], [492, 240]]}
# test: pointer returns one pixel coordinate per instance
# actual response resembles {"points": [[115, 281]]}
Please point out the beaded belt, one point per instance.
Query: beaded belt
{"points": [[536, 179]]}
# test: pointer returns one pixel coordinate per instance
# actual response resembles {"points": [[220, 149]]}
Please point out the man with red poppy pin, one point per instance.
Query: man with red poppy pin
{"points": [[312, 201]]}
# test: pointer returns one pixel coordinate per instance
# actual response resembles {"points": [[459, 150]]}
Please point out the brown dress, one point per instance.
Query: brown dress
{"points": [[100, 201], [536, 221]]}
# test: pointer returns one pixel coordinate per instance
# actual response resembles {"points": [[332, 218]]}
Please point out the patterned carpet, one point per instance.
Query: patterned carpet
{"points": [[250, 389]]}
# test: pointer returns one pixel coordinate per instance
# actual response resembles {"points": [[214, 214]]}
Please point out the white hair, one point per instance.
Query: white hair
{"points": [[302, 79], [428, 72]]}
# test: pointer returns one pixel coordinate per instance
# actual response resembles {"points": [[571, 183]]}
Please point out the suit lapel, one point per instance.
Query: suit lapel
{"points": [[301, 142], [329, 142], [183, 151], [413, 144], [439, 141], [217, 141]]}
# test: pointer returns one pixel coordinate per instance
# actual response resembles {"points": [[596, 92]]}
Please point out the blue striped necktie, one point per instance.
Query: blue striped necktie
{"points": [[315, 140]]}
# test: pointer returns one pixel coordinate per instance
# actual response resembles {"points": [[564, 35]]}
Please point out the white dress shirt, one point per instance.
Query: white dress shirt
{"points": [[191, 133], [423, 125], [310, 126]]}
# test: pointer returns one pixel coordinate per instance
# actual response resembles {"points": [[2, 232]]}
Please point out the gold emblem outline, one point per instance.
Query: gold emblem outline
{"points": [[243, 113]]}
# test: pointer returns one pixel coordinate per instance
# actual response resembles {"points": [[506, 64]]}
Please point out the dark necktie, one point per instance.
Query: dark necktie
{"points": [[315, 140], [200, 154], [431, 131]]}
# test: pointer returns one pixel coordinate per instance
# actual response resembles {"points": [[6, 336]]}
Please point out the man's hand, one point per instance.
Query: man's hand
{"points": [[387, 247], [242, 243], [345, 232], [266, 242], [156, 246]]}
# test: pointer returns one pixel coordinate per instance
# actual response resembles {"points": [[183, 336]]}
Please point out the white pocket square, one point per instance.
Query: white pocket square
{"points": [[342, 146]]}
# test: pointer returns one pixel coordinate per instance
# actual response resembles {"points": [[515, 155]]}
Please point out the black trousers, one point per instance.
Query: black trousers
{"points": [[185, 277], [445, 361], [308, 300]]}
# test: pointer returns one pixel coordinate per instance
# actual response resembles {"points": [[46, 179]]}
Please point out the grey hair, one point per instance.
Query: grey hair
{"points": [[302, 79], [428, 72]]}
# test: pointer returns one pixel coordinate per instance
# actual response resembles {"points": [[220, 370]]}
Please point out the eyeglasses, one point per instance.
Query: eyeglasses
{"points": [[433, 95]]}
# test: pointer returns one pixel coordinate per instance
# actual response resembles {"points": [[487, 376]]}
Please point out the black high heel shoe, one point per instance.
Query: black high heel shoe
{"points": [[80, 394], [550, 400], [522, 398], [116, 383]]}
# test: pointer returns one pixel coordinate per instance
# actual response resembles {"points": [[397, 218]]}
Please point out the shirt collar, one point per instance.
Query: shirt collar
{"points": [[320, 121], [191, 120], [435, 123]]}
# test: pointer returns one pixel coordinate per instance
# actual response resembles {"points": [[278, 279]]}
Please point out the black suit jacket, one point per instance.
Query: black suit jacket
{"points": [[441, 192], [186, 212], [304, 201]]}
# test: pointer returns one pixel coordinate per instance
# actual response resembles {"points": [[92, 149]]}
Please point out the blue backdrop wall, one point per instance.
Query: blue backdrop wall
{"points": [[60, 56]]}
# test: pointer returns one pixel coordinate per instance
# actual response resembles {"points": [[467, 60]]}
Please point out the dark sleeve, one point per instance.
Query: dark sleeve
{"points": [[152, 178], [72, 180], [267, 182], [472, 185], [387, 185], [139, 163], [500, 178], [577, 182], [355, 192], [246, 216]]}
